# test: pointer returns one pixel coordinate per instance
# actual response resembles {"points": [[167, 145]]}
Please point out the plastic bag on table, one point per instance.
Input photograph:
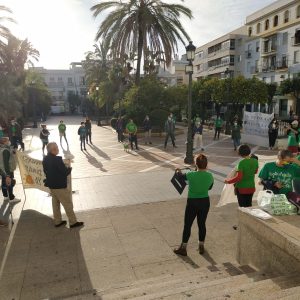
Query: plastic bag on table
{"points": [[264, 199], [281, 206]]}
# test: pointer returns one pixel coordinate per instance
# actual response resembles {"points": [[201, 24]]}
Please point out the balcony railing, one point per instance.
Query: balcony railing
{"points": [[282, 64], [269, 49]]}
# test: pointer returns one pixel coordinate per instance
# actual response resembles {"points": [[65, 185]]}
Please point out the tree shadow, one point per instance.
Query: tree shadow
{"points": [[94, 162], [45, 262], [100, 152], [153, 158]]}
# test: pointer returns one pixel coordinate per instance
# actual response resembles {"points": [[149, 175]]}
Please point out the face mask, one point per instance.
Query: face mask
{"points": [[169, 119], [235, 124]]}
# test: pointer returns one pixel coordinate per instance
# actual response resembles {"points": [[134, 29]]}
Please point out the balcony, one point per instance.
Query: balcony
{"points": [[270, 50], [281, 65], [267, 68]]}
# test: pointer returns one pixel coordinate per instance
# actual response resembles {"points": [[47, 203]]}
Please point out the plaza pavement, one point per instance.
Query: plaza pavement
{"points": [[133, 218]]}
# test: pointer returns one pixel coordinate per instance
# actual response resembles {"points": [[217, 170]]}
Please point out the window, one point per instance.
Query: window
{"points": [[199, 55], [286, 16], [285, 38], [59, 79], [239, 58], [82, 80], [249, 31], [256, 65], [297, 57], [267, 24], [298, 12], [264, 79], [297, 37], [51, 79], [275, 21], [257, 46], [70, 81], [248, 66], [258, 28]]}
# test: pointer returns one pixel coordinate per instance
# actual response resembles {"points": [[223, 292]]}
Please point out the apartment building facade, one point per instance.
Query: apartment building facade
{"points": [[63, 82], [272, 47], [221, 57]]}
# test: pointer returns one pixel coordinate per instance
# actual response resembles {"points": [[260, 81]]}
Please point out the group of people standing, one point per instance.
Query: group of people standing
{"points": [[132, 129], [278, 176]]}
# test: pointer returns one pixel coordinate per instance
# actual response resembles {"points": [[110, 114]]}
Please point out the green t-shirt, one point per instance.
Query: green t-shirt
{"points": [[62, 127], [284, 175], [131, 128], [199, 183], [292, 139], [218, 122], [248, 167]]}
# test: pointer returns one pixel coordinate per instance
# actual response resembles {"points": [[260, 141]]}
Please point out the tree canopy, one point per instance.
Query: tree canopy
{"points": [[137, 26]]}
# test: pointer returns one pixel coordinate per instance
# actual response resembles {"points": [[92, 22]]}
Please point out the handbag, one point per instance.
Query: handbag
{"points": [[178, 181]]}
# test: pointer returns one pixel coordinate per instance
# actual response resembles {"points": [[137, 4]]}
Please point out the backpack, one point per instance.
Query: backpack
{"points": [[12, 161]]}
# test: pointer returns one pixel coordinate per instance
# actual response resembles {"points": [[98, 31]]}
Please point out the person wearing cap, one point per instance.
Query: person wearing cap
{"points": [[7, 168]]}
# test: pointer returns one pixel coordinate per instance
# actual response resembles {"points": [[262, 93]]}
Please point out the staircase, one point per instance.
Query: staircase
{"points": [[224, 281]]}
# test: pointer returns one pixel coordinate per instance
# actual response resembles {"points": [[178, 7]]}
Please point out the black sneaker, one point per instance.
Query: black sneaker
{"points": [[180, 251], [77, 224], [61, 224], [201, 249]]}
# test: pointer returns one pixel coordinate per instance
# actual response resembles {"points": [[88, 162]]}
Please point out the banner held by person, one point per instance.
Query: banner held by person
{"points": [[32, 173], [256, 123]]}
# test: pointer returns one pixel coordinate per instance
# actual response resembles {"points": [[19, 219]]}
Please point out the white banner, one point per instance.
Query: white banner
{"points": [[32, 174], [256, 123]]}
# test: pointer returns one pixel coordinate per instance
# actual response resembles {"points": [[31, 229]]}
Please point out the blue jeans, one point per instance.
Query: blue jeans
{"points": [[236, 142]]}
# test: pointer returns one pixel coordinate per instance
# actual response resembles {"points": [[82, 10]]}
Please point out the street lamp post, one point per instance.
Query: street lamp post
{"points": [[33, 104], [190, 55], [97, 95], [227, 126]]}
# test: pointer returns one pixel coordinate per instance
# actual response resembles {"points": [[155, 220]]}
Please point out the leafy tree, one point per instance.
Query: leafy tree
{"points": [[271, 90], [292, 86], [74, 101], [135, 26], [4, 31]]}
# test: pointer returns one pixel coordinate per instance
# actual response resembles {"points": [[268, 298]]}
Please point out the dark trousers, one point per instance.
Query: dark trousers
{"points": [[7, 191], [245, 200], [89, 136], [17, 140], [120, 136], [171, 135], [82, 142], [133, 139], [217, 132], [272, 139], [199, 208]]}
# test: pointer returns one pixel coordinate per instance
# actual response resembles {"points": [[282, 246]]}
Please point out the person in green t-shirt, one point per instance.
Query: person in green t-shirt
{"points": [[132, 131], [244, 178], [293, 133], [282, 172], [62, 131], [218, 127], [200, 182]]}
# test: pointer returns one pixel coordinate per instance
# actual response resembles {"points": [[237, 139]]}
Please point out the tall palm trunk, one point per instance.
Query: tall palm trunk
{"points": [[139, 58]]}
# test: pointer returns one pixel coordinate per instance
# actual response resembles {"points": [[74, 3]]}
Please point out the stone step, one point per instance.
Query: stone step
{"points": [[231, 290], [262, 290], [285, 294], [192, 276], [202, 290], [185, 285]]}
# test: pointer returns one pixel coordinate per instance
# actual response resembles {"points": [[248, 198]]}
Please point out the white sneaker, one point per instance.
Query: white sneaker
{"points": [[15, 200]]}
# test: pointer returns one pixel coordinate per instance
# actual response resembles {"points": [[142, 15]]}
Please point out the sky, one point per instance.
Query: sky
{"points": [[64, 30]]}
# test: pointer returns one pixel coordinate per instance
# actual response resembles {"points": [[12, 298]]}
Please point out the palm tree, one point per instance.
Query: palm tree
{"points": [[137, 26], [15, 54], [4, 31]]}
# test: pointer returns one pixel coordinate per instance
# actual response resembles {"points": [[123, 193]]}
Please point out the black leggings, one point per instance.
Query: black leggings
{"points": [[217, 132], [272, 139], [245, 200], [195, 207]]}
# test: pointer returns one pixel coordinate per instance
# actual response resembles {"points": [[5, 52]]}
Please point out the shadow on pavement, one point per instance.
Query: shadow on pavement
{"points": [[94, 162], [153, 158], [99, 151], [44, 262]]}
